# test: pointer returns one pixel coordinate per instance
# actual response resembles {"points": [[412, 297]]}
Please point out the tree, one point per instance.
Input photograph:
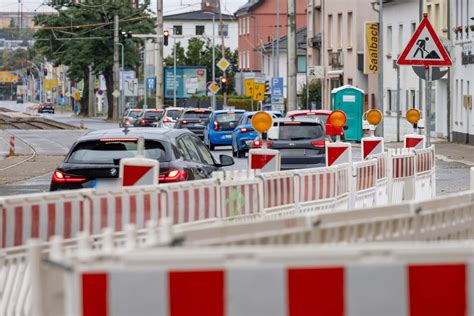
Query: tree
{"points": [[314, 94], [87, 44], [180, 56]]}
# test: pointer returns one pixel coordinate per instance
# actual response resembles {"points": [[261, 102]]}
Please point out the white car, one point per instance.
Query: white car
{"points": [[169, 118]]}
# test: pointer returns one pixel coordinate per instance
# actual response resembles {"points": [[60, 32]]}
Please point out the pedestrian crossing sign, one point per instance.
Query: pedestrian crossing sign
{"points": [[425, 48]]}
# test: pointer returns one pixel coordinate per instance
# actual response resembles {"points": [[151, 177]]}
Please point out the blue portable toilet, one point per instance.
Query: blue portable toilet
{"points": [[350, 100]]}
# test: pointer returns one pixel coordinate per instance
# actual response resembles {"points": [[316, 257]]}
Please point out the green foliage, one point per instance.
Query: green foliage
{"points": [[314, 93], [15, 59], [199, 53], [80, 36]]}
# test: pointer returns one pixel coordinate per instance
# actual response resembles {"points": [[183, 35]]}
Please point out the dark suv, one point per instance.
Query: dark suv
{"points": [[148, 117], [195, 120], [94, 159]]}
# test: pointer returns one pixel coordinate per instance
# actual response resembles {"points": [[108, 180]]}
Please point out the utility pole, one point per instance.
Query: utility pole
{"points": [[291, 81], [116, 73], [381, 107], [277, 48], [448, 92], [397, 67], [174, 72], [221, 23], [159, 59], [91, 105], [213, 98]]}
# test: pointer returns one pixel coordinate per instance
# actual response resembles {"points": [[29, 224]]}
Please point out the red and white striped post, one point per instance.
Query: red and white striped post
{"points": [[12, 146], [372, 145]]}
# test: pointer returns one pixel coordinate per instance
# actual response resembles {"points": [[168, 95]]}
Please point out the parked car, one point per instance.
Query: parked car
{"points": [[94, 158], [195, 120], [129, 117], [321, 115], [301, 142], [46, 107], [218, 131], [148, 117], [170, 117], [19, 100], [244, 134]]}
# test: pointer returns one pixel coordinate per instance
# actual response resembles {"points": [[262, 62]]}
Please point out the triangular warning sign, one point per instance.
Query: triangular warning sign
{"points": [[425, 48]]}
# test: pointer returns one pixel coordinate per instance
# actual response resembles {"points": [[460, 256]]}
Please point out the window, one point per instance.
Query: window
{"points": [[200, 29], [413, 27], [248, 59], [412, 99], [400, 38], [247, 25], [206, 156], [436, 18], [390, 104], [224, 29], [389, 40], [301, 64], [239, 26], [329, 28], [349, 81], [339, 30], [177, 30], [349, 29], [186, 144]]}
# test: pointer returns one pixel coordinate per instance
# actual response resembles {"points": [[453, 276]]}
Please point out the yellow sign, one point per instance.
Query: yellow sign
{"points": [[77, 96], [223, 64], [8, 76], [259, 91], [371, 52], [214, 88], [54, 83], [249, 83], [262, 121], [47, 85]]}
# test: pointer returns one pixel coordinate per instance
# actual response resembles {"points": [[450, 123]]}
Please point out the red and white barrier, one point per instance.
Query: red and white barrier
{"points": [[402, 177], [191, 201], [277, 281], [241, 198], [264, 159], [42, 216], [382, 178], [11, 146], [279, 190], [139, 171], [338, 153], [416, 141], [425, 182], [371, 146], [364, 183], [318, 189]]}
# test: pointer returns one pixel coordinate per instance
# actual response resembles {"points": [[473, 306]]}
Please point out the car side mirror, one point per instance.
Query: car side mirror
{"points": [[345, 127], [226, 161]]}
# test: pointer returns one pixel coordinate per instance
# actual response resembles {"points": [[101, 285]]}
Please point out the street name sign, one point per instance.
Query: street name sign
{"points": [[425, 48]]}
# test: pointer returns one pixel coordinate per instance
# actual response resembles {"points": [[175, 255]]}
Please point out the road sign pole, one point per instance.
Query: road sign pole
{"points": [[174, 71], [428, 105], [213, 98]]}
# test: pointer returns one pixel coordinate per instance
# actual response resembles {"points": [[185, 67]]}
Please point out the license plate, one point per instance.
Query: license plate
{"points": [[292, 152], [228, 136], [106, 183]]}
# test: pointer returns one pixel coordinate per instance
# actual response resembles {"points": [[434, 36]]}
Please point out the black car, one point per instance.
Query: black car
{"points": [[94, 159], [148, 117], [46, 107], [19, 100], [195, 120], [301, 142]]}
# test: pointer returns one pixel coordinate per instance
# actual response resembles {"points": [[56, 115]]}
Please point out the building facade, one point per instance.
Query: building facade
{"points": [[340, 49], [257, 21], [462, 78], [184, 26]]}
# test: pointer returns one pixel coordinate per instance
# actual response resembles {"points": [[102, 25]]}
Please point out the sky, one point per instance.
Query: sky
{"points": [[170, 6]]}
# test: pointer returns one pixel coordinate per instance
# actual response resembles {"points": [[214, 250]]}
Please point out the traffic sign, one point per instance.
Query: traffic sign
{"points": [[425, 48], [249, 86], [315, 72], [77, 96], [371, 146], [223, 64], [259, 89], [213, 88], [338, 153], [116, 93], [416, 141], [150, 83], [265, 160]]}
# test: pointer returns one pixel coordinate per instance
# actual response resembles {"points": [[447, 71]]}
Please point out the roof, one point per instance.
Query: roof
{"points": [[229, 110], [300, 41], [199, 15], [347, 87], [248, 7], [147, 133]]}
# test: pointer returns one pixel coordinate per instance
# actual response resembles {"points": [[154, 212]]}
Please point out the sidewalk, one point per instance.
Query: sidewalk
{"points": [[448, 152]]}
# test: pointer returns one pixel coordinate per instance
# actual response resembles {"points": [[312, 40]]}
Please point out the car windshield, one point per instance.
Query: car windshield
{"points": [[228, 121], [134, 113], [153, 114], [174, 114], [110, 151], [299, 131], [322, 117], [198, 114], [249, 119]]}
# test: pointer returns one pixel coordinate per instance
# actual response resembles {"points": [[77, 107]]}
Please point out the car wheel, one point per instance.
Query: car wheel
{"points": [[240, 153], [211, 146]]}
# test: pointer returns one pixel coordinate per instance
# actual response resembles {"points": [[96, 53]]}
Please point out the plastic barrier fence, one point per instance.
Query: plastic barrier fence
{"points": [[406, 280], [279, 190], [402, 176], [382, 185], [364, 183], [446, 218], [425, 183]]}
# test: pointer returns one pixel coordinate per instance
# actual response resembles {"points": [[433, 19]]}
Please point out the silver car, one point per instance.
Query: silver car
{"points": [[129, 117], [169, 118]]}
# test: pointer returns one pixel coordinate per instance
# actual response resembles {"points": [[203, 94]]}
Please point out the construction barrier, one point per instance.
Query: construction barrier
{"points": [[241, 198], [279, 190], [382, 186], [402, 176], [425, 182], [364, 183], [378, 279]]}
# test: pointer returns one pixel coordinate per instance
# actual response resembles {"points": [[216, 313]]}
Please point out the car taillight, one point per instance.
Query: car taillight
{"points": [[319, 143], [174, 175], [257, 144], [61, 177], [246, 130], [216, 126], [143, 122], [184, 122]]}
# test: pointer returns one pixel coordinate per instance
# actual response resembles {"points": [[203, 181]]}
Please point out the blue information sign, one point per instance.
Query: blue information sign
{"points": [[150, 83], [277, 89]]}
